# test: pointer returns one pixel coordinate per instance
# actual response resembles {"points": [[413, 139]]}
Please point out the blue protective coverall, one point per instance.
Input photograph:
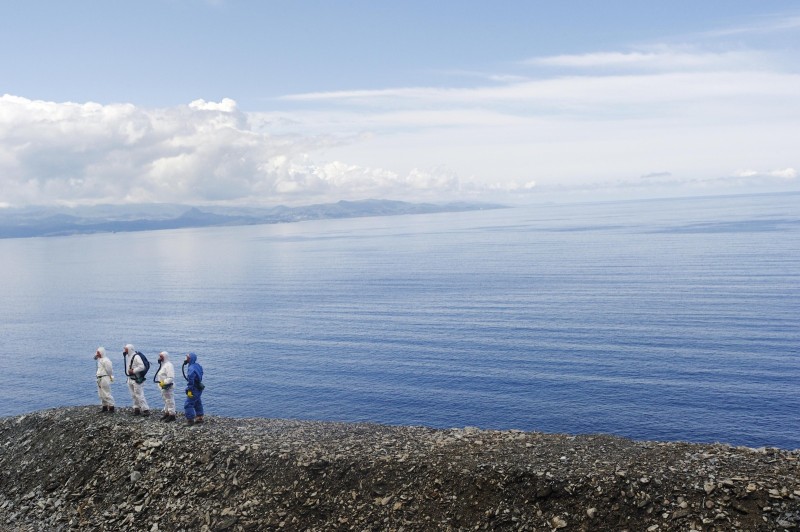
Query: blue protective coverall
{"points": [[194, 374]]}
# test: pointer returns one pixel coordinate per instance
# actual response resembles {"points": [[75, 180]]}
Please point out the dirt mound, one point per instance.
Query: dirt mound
{"points": [[78, 469]]}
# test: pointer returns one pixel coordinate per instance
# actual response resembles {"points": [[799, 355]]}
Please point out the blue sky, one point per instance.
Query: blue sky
{"points": [[297, 102]]}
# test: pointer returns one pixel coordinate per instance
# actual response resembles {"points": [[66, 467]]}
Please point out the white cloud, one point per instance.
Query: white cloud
{"points": [[615, 121], [570, 131], [655, 58], [787, 174], [602, 119], [203, 152], [605, 93], [227, 105], [767, 25]]}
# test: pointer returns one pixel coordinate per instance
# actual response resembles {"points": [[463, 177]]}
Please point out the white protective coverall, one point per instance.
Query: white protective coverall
{"points": [[166, 379], [104, 375], [137, 390]]}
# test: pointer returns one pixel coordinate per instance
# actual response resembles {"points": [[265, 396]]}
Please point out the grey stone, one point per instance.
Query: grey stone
{"points": [[117, 473]]}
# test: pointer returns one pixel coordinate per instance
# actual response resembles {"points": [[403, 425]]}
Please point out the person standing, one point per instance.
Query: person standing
{"points": [[193, 406], [165, 377], [105, 376], [135, 366]]}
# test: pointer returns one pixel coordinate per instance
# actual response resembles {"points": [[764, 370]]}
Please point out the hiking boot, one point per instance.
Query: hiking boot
{"points": [[110, 409], [170, 418], [146, 413], [198, 419], [105, 408], [164, 417], [190, 422], [137, 412]]}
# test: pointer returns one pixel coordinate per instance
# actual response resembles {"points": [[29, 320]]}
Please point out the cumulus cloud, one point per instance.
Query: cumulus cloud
{"points": [[227, 105], [612, 119], [203, 152]]}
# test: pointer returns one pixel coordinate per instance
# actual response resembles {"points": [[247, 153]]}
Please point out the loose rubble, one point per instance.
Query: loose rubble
{"points": [[77, 469]]}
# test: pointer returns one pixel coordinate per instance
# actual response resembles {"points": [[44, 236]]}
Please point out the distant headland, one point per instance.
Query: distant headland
{"points": [[60, 221]]}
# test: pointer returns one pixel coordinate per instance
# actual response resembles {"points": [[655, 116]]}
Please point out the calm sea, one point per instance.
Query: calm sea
{"points": [[670, 319]]}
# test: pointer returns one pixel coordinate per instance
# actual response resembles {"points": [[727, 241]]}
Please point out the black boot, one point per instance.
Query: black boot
{"points": [[145, 412], [198, 419], [110, 409], [137, 412], [164, 417], [190, 422], [170, 418], [105, 408]]}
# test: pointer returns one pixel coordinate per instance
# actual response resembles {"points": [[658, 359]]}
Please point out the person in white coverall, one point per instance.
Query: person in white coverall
{"points": [[165, 377], [105, 376], [135, 365]]}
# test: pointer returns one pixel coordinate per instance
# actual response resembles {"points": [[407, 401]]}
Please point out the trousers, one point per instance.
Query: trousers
{"points": [[193, 406], [104, 391], [168, 395], [137, 394]]}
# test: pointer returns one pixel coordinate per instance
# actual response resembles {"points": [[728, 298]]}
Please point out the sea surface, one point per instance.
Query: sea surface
{"points": [[666, 319]]}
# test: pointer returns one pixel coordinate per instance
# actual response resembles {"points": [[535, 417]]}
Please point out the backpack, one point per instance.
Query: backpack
{"points": [[140, 377]]}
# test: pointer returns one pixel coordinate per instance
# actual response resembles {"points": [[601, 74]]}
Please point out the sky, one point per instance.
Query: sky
{"points": [[299, 102]]}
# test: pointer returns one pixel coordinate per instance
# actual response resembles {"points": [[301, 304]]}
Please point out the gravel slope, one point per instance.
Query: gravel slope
{"points": [[77, 469]]}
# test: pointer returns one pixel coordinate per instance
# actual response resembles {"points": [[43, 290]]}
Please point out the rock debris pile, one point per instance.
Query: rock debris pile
{"points": [[78, 469]]}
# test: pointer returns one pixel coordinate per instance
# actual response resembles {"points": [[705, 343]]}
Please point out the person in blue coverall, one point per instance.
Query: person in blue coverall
{"points": [[193, 407]]}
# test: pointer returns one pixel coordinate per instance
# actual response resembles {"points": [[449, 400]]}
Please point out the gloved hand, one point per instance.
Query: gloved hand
{"points": [[161, 384], [111, 378], [190, 394]]}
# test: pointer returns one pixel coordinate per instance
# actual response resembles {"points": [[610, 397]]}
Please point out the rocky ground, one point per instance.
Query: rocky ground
{"points": [[78, 469]]}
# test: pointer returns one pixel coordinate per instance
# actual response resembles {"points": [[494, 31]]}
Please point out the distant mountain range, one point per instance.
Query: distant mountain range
{"points": [[59, 221]]}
